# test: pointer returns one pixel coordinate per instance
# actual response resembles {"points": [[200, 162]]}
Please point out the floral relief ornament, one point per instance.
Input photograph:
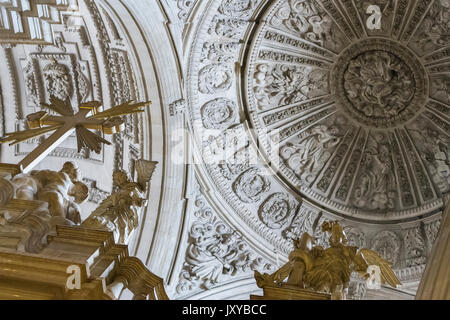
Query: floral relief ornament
{"points": [[215, 252]]}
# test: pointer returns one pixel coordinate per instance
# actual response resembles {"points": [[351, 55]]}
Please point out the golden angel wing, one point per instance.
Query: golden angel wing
{"points": [[122, 110], [145, 170], [387, 275]]}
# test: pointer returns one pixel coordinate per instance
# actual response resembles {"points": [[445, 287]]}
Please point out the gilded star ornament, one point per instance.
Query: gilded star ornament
{"points": [[89, 117]]}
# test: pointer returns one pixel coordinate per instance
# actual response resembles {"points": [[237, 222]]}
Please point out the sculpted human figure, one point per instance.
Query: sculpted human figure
{"points": [[119, 211], [61, 190], [328, 270], [307, 156]]}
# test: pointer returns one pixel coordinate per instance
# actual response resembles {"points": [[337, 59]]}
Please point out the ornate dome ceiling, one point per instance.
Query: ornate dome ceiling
{"points": [[303, 111], [354, 119], [298, 110]]}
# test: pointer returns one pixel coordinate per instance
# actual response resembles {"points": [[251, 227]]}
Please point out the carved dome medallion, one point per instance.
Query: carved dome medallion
{"points": [[353, 121], [379, 83]]}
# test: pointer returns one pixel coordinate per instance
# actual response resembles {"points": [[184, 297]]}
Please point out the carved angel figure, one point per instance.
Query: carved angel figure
{"points": [[375, 190], [119, 212], [328, 270], [307, 156], [61, 190]]}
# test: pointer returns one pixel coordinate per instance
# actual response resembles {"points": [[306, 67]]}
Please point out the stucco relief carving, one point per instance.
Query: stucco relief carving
{"points": [[226, 147], [370, 166], [238, 8], [230, 28], [275, 211], [239, 162], [283, 84], [415, 247], [431, 231], [58, 81], [387, 244], [215, 252], [214, 78], [303, 222], [177, 107], [219, 113], [49, 74], [433, 32], [84, 85], [31, 84], [251, 185], [306, 154], [379, 84], [376, 186], [435, 153], [355, 236], [375, 73], [219, 52], [440, 88], [306, 19], [185, 7]]}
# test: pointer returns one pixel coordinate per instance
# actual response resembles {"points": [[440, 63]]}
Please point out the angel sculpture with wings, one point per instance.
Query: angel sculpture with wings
{"points": [[119, 212], [327, 270]]}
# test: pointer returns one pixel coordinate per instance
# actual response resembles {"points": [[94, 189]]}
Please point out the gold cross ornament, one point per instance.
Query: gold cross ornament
{"points": [[89, 117]]}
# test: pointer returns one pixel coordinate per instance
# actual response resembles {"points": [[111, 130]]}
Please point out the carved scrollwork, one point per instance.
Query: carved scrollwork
{"points": [[185, 7], [227, 27], [215, 252], [433, 31], [306, 19]]}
